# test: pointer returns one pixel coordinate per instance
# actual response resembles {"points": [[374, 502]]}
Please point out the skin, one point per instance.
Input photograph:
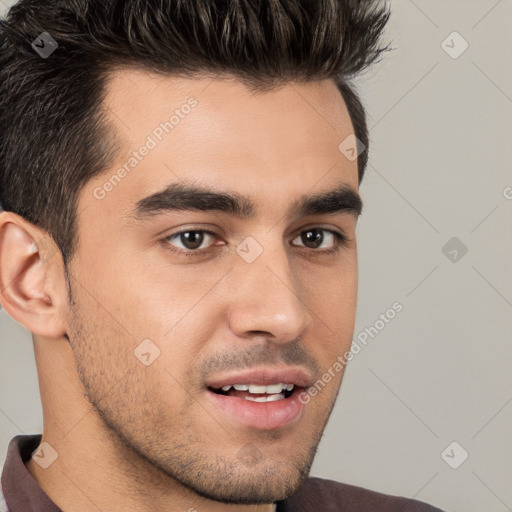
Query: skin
{"points": [[133, 437]]}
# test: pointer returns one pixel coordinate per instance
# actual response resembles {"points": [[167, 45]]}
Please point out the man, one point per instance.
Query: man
{"points": [[180, 184]]}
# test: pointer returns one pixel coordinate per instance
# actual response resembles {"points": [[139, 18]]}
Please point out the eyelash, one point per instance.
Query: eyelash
{"points": [[341, 240]]}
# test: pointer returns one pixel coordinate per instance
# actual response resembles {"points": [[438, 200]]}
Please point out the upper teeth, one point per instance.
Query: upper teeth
{"points": [[255, 388]]}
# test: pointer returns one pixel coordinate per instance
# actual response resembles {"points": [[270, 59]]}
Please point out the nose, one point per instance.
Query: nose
{"points": [[268, 299]]}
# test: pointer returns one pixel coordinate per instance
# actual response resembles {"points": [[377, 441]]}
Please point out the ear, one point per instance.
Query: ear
{"points": [[32, 282]]}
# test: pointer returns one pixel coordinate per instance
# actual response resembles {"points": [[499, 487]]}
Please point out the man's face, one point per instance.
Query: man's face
{"points": [[254, 293]]}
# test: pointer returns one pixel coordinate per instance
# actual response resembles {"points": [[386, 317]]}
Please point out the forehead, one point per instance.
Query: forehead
{"points": [[143, 91], [216, 131]]}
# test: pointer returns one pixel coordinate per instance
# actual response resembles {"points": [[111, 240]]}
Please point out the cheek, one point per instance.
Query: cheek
{"points": [[334, 303], [334, 290], [153, 299], [115, 375], [124, 313], [100, 342]]}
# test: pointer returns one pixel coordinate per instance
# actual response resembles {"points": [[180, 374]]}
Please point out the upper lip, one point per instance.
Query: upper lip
{"points": [[263, 377]]}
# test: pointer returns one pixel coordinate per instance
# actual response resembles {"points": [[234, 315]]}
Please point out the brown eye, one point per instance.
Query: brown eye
{"points": [[314, 238], [190, 240]]}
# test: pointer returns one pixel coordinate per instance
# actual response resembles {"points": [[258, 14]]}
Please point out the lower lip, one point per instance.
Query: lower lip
{"points": [[260, 415]]}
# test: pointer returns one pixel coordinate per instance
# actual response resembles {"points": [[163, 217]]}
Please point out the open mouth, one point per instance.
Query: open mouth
{"points": [[257, 406], [258, 393]]}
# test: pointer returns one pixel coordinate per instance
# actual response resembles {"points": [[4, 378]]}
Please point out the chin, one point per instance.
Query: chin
{"points": [[251, 489]]}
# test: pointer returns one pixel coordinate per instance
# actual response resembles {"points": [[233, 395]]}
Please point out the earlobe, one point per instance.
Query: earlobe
{"points": [[32, 285]]}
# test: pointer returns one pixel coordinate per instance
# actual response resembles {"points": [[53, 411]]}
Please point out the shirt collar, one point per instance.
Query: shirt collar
{"points": [[21, 491]]}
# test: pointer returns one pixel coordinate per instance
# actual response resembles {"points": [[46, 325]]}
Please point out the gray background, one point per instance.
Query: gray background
{"points": [[439, 372]]}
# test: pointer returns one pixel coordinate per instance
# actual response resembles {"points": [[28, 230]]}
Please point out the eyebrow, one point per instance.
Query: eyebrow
{"points": [[181, 197]]}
